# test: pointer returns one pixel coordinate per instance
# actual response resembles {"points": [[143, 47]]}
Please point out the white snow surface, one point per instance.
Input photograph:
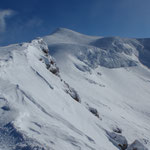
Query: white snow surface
{"points": [[111, 76]]}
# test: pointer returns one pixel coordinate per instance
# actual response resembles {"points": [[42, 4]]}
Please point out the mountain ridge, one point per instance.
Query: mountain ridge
{"points": [[57, 93]]}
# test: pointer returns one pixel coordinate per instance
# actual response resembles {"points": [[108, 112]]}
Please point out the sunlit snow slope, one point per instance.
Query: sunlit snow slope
{"points": [[69, 91]]}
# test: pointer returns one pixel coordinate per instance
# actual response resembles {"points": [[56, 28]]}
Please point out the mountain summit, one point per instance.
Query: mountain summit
{"points": [[69, 91]]}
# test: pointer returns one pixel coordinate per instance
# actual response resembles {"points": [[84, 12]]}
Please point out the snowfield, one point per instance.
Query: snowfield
{"points": [[69, 91]]}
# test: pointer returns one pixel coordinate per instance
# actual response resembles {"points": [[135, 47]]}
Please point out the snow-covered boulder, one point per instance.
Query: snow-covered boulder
{"points": [[137, 145], [118, 140]]}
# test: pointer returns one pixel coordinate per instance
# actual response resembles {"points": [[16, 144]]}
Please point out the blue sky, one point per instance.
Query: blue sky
{"points": [[23, 20]]}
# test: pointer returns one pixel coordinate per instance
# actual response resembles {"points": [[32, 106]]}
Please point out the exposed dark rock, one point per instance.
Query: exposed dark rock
{"points": [[50, 63], [45, 51], [99, 73], [48, 66], [117, 130], [118, 140], [6, 108], [137, 145], [94, 111], [40, 59], [72, 92], [54, 70]]}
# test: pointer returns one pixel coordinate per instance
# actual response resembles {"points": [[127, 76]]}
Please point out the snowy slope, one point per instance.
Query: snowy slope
{"points": [[70, 91]]}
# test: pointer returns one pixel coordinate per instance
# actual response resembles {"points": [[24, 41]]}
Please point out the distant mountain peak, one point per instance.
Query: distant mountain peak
{"points": [[61, 29]]}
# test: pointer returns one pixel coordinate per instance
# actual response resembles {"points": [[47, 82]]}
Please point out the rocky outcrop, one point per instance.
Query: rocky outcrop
{"points": [[137, 145]]}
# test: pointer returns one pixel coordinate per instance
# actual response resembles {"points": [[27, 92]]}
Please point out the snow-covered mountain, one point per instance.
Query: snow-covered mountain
{"points": [[69, 91]]}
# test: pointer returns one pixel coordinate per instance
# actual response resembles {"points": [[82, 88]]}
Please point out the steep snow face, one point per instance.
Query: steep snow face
{"points": [[39, 110], [58, 92], [118, 52], [144, 51], [120, 96]]}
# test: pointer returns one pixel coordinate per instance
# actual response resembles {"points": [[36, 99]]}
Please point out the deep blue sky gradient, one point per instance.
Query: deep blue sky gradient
{"points": [[33, 18]]}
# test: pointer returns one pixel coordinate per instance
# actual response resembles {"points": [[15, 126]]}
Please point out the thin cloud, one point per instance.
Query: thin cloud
{"points": [[34, 22], [3, 15]]}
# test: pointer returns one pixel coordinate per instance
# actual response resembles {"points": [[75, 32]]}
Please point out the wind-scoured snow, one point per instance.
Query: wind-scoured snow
{"points": [[70, 91]]}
